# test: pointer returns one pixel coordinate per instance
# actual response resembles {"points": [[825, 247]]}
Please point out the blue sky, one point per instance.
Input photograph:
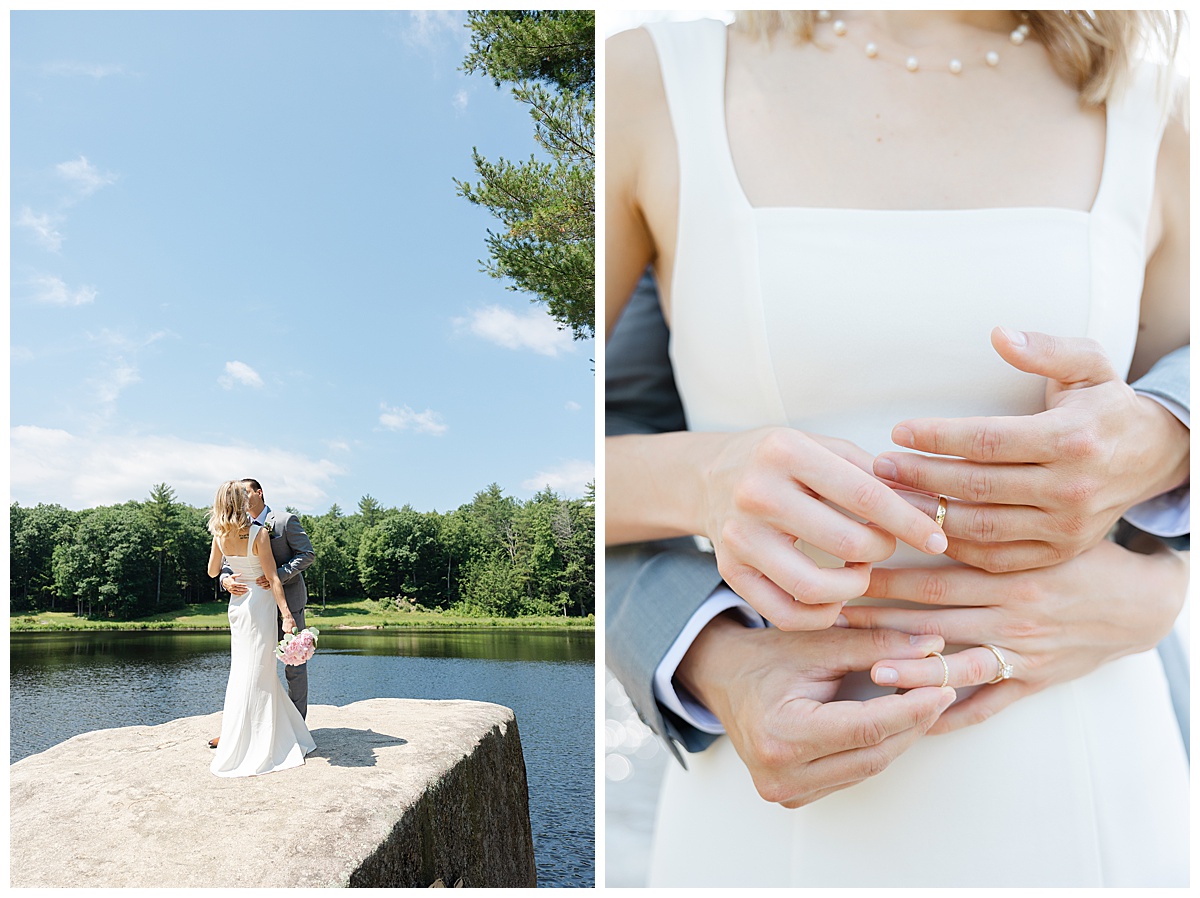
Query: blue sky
{"points": [[237, 250]]}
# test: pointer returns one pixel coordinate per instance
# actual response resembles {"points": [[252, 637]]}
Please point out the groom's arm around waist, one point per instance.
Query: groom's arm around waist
{"points": [[652, 590], [1168, 516]]}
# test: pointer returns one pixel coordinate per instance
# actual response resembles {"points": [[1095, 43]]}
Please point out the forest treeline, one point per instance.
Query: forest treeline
{"points": [[495, 556]]}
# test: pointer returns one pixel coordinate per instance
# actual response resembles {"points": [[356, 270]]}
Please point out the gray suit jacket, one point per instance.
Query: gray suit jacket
{"points": [[653, 589], [293, 552]]}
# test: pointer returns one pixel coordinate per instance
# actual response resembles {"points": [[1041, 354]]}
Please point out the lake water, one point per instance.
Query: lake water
{"points": [[66, 684]]}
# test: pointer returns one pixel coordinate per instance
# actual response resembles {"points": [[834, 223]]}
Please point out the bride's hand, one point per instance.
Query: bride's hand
{"points": [[289, 623], [1039, 489], [1051, 624], [768, 488]]}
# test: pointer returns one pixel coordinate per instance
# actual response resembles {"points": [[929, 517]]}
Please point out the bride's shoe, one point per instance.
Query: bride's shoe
{"points": [[212, 743]]}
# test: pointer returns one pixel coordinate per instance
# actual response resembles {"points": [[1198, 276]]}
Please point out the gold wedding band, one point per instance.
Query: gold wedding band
{"points": [[1005, 669], [940, 517], [945, 667]]}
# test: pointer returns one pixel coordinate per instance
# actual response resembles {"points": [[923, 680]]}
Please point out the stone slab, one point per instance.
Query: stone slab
{"points": [[397, 792]]}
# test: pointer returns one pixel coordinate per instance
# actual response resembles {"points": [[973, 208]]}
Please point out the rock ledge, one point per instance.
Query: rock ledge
{"points": [[399, 792]]}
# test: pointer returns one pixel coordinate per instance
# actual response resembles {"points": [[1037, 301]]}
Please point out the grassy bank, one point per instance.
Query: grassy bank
{"points": [[363, 614]]}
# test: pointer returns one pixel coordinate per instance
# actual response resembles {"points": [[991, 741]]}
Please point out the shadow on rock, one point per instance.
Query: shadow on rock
{"points": [[344, 747]]}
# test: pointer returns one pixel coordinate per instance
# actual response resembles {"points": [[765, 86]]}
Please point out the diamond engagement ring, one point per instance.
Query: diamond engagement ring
{"points": [[940, 517], [945, 667], [1005, 670]]}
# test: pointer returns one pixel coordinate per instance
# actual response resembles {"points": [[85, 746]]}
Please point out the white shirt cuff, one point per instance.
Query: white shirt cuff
{"points": [[1169, 514], [679, 700]]}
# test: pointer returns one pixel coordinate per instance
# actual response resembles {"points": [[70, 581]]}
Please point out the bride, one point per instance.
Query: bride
{"points": [[838, 210], [261, 730]]}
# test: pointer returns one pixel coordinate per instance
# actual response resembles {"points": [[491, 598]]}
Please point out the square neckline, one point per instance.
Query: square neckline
{"points": [[726, 154]]}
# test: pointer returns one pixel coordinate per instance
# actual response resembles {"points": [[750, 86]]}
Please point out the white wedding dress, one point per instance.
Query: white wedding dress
{"points": [[805, 317], [261, 730]]}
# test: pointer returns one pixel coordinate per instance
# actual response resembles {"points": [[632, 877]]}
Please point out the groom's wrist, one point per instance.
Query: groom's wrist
{"points": [[703, 671], [1170, 438]]}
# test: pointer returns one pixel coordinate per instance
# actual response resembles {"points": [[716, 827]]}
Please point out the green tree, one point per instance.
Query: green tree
{"points": [[190, 548], [181, 542], [494, 515], [109, 565], [557, 540], [461, 539], [548, 208], [400, 556], [160, 515], [370, 509], [335, 542], [492, 586], [32, 535]]}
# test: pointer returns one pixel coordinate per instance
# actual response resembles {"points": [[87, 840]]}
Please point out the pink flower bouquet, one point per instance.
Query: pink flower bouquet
{"points": [[296, 648]]}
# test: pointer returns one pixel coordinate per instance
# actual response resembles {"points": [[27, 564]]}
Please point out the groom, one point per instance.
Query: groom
{"points": [[293, 552]]}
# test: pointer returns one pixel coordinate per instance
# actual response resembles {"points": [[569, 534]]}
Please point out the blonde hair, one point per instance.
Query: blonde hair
{"points": [[230, 513], [1093, 49]]}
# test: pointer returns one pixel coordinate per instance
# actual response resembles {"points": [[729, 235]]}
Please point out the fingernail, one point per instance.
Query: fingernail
{"points": [[902, 436], [1016, 338], [886, 468], [841, 621], [885, 676], [946, 699], [929, 643], [937, 543]]}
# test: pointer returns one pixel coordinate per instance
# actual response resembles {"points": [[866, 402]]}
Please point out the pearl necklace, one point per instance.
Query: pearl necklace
{"points": [[955, 66]]}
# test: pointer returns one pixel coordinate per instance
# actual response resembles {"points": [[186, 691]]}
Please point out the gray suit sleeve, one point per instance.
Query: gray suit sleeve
{"points": [[651, 592], [1170, 379], [651, 589], [300, 548]]}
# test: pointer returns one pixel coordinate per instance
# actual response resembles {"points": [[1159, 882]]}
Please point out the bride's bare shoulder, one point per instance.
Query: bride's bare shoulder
{"points": [[262, 540], [632, 82], [629, 52]]}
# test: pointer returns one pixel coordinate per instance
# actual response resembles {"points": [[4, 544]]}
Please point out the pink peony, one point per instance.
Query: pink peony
{"points": [[296, 649]]}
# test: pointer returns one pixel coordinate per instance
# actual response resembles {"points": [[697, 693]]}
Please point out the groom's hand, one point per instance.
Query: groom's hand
{"points": [[773, 689], [1037, 490], [232, 586]]}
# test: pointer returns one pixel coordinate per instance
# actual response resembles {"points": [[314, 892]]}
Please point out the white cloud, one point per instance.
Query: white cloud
{"points": [[49, 465], [86, 178], [110, 385], [570, 477], [572, 406], [404, 418], [461, 98], [426, 28], [534, 330], [118, 341], [69, 67], [239, 373], [116, 367], [43, 227], [53, 290]]}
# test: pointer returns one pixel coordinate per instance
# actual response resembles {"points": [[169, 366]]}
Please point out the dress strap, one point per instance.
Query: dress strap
{"points": [[691, 59], [1136, 118], [254, 528]]}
